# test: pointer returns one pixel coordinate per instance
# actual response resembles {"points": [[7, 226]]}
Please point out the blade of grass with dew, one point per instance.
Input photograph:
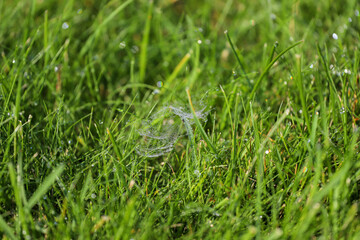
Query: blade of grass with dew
{"points": [[170, 79], [328, 76], [198, 124], [237, 57], [300, 85], [44, 186], [145, 41], [258, 81], [263, 144], [97, 29], [18, 198], [118, 154], [259, 172]]}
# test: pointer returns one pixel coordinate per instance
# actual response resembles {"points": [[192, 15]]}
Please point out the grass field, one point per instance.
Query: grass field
{"points": [[179, 119]]}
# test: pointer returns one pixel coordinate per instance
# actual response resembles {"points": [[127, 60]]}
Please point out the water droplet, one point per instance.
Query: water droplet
{"points": [[65, 25], [13, 61], [207, 42], [267, 152], [93, 195], [56, 68], [335, 36], [226, 31], [45, 197], [331, 67], [199, 41], [156, 91], [122, 45], [311, 66], [101, 122], [159, 84], [272, 16], [79, 11], [134, 49], [285, 83], [300, 111], [197, 173], [356, 12], [200, 29], [308, 141], [347, 71], [342, 110], [234, 73]]}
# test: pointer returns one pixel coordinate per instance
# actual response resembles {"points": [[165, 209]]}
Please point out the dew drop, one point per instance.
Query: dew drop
{"points": [[93, 195], [56, 68], [122, 45], [347, 71], [65, 25], [356, 12], [335, 36], [342, 110], [197, 173], [311, 66], [199, 41], [134, 49], [159, 84], [156, 91], [13, 61], [350, 19]]}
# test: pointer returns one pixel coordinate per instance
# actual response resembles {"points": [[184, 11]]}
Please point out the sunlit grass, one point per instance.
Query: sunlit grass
{"points": [[103, 134]]}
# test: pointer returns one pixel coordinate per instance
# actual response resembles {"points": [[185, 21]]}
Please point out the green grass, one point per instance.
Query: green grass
{"points": [[277, 158]]}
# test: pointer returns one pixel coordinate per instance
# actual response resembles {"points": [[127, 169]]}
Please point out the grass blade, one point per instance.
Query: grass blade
{"points": [[237, 57], [144, 43], [257, 83], [6, 229], [44, 187], [198, 124]]}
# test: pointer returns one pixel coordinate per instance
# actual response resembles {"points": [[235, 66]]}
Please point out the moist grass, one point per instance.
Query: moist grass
{"points": [[277, 156]]}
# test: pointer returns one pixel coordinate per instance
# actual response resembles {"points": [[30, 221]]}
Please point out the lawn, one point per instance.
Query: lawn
{"points": [[138, 119]]}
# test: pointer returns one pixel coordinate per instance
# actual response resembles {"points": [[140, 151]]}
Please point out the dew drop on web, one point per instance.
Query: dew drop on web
{"points": [[160, 132]]}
